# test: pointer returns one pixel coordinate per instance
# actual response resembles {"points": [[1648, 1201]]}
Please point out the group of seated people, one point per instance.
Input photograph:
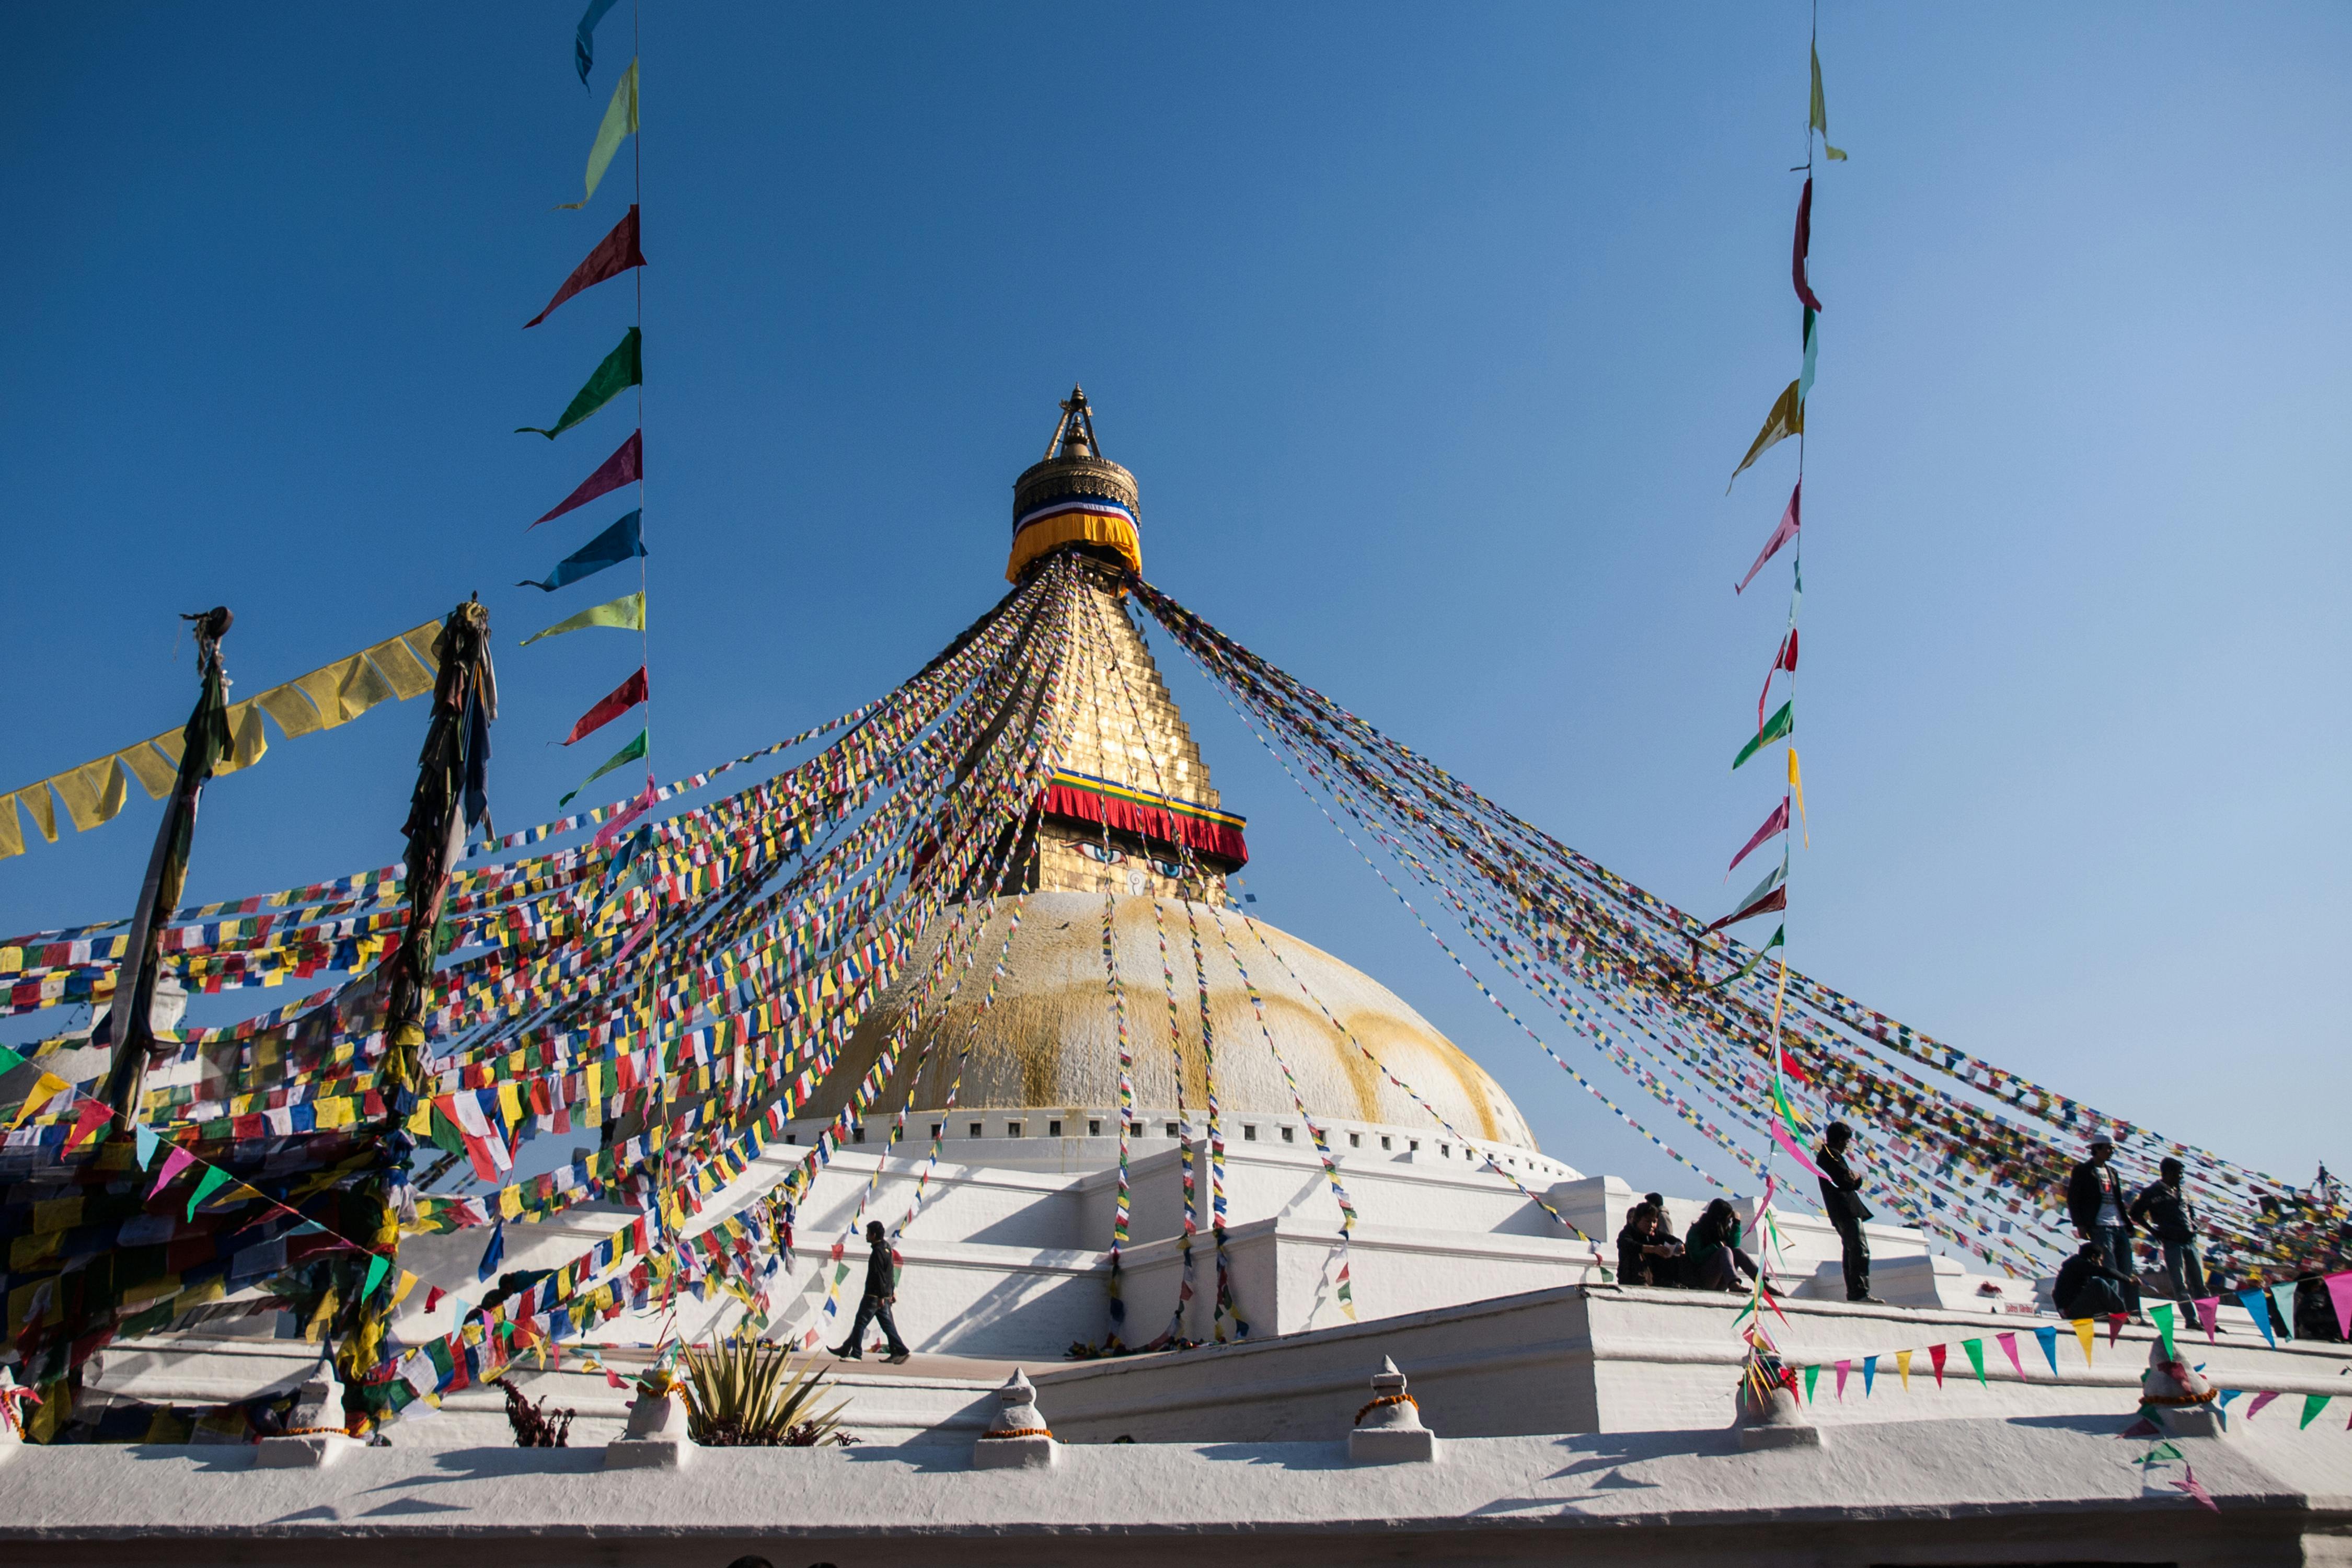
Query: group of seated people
{"points": [[1707, 1257]]}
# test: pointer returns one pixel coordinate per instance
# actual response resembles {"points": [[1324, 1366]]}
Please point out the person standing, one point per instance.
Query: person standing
{"points": [[1842, 1200], [2164, 1207], [881, 1291], [2095, 1202]]}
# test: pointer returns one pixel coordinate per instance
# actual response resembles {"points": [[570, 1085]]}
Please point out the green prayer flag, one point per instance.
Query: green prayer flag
{"points": [[634, 752], [626, 613], [1812, 1374], [1787, 419], [1779, 727], [622, 369], [1976, 1357], [1779, 936], [1821, 115], [620, 121], [214, 1179], [8, 1059], [2313, 1404], [378, 1267], [2162, 1314]]}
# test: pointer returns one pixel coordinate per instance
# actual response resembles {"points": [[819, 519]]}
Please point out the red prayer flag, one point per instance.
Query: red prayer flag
{"points": [[1784, 659], [613, 255], [1935, 1354], [623, 696], [626, 466], [88, 1118], [1778, 898], [1804, 246], [1776, 823]]}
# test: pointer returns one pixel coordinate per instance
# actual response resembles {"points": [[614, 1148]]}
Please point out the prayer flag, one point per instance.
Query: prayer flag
{"points": [[1786, 531], [622, 697], [624, 466], [2283, 1295], [88, 1117], [1777, 728], [1869, 1373], [143, 1139], [1843, 1368], [1804, 247], [1903, 1366], [2260, 1400], [176, 1161], [2161, 1315], [583, 50], [2313, 1404], [1779, 936], [1813, 354], [494, 1254], [2257, 1303], [1786, 419], [2007, 1343], [2049, 1337], [46, 1089], [211, 1181], [1771, 903], [626, 613], [1820, 119], [2209, 1313], [622, 369], [1788, 1146], [1935, 1354], [2339, 1293], [2114, 1326], [634, 752], [378, 1267], [620, 542], [620, 122], [1776, 823], [1974, 1349], [614, 254], [2189, 1483]]}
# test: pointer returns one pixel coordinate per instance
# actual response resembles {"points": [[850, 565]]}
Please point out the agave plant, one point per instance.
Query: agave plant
{"points": [[743, 1393]]}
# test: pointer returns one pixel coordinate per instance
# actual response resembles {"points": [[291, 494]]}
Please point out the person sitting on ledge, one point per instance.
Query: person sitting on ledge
{"points": [[1712, 1259], [2088, 1288], [1646, 1254]]}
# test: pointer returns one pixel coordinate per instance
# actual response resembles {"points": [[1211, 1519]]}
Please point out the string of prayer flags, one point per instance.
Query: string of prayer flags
{"points": [[622, 697], [1786, 531], [617, 253], [627, 466], [620, 122], [1786, 419], [632, 752], [1804, 247], [1777, 728], [622, 368], [626, 613], [583, 47], [622, 542], [1819, 117]]}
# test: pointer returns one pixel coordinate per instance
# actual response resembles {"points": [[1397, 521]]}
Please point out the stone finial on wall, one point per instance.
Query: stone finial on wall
{"points": [[1017, 1437]]}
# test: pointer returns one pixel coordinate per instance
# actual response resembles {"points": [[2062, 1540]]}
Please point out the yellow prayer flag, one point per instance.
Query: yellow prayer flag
{"points": [[1903, 1366], [293, 710], [36, 800], [249, 741], [1787, 419], [155, 775], [322, 686], [620, 121], [420, 643], [12, 832], [49, 1087], [2085, 1330], [363, 687], [402, 668], [1797, 788], [78, 790]]}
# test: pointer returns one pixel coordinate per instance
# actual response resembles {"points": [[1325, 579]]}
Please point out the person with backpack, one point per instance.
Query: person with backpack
{"points": [[2165, 1210]]}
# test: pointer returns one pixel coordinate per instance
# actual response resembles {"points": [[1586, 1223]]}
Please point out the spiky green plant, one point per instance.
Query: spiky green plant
{"points": [[743, 1393]]}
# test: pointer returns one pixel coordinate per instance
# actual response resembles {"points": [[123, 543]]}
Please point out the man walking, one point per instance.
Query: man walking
{"points": [[1842, 1200], [2095, 1202], [2165, 1210], [881, 1290]]}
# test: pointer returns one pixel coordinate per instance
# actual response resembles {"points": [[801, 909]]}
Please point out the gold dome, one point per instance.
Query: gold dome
{"points": [[1050, 1040]]}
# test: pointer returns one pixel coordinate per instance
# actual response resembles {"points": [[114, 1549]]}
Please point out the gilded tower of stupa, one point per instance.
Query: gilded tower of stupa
{"points": [[1132, 794]]}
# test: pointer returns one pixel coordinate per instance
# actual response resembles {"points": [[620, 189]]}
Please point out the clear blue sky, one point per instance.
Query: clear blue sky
{"points": [[1431, 334]]}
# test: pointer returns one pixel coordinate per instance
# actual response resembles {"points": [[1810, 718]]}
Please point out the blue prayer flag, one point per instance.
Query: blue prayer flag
{"points": [[620, 542]]}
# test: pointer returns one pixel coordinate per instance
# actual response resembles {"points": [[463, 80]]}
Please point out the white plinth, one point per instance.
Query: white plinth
{"points": [[1015, 1454], [1392, 1446], [647, 1453], [311, 1451]]}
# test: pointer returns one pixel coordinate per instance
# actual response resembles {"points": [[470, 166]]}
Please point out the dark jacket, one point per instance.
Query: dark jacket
{"points": [[1647, 1259], [881, 1273], [2165, 1210], [1711, 1257], [2073, 1275], [1841, 1188], [2084, 1188]]}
